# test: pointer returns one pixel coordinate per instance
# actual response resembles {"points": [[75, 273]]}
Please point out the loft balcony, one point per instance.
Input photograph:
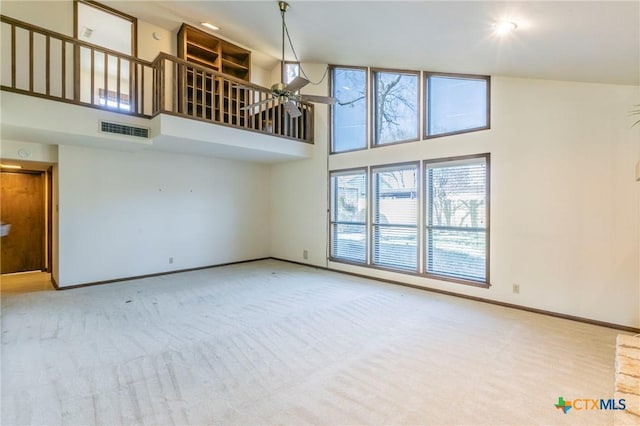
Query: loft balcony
{"points": [[80, 93]]}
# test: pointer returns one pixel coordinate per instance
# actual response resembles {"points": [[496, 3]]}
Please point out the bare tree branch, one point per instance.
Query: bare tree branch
{"points": [[351, 102]]}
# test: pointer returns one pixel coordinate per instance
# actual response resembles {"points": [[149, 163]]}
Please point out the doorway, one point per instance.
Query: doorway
{"points": [[26, 206]]}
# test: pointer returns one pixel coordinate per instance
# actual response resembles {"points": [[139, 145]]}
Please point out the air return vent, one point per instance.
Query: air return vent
{"points": [[122, 129]]}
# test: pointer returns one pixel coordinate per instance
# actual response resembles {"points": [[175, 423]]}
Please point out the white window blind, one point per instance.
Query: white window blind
{"points": [[395, 217], [456, 218], [348, 215]]}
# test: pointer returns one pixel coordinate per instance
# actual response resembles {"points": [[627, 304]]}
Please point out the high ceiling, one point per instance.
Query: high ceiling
{"points": [[593, 41]]}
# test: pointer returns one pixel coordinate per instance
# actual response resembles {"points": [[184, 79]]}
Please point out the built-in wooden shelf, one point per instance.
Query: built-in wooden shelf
{"points": [[208, 50], [202, 95]]}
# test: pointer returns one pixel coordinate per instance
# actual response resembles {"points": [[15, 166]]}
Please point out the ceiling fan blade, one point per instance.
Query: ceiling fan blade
{"points": [[292, 109], [256, 104], [318, 99], [297, 84]]}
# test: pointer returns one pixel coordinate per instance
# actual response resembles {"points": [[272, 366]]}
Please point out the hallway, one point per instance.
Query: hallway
{"points": [[25, 282]]}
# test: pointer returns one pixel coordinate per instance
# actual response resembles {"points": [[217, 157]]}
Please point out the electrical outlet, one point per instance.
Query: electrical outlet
{"points": [[305, 254], [171, 260], [516, 288]]}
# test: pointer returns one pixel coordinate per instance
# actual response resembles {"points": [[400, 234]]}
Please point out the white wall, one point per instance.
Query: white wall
{"points": [[54, 15], [28, 151], [565, 207], [125, 214], [298, 191], [149, 47]]}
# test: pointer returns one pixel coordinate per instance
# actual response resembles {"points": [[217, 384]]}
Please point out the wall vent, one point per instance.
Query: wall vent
{"points": [[123, 129]]}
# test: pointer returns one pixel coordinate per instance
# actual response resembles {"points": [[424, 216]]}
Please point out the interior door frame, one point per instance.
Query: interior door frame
{"points": [[46, 177], [49, 219]]}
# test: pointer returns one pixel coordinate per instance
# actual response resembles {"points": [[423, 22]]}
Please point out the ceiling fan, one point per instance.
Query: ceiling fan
{"points": [[286, 94]]}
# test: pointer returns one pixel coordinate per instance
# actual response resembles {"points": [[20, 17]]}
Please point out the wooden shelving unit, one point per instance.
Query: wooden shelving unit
{"points": [[205, 96], [235, 61]]}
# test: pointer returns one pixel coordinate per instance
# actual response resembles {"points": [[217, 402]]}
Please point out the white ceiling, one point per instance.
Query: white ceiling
{"points": [[594, 41]]}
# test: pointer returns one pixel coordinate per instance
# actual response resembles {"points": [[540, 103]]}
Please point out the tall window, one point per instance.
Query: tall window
{"points": [[395, 216], [456, 104], [395, 106], [349, 114], [349, 215], [456, 211]]}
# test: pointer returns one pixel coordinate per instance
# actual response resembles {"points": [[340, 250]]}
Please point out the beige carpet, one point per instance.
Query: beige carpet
{"points": [[275, 343]]}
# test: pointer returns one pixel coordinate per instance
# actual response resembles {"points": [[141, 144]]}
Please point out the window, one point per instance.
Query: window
{"points": [[290, 70], [441, 231], [110, 98], [349, 215], [457, 211], [110, 84], [349, 114], [395, 107], [453, 103], [456, 104], [395, 217]]}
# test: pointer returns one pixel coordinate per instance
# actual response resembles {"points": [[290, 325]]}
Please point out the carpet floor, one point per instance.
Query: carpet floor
{"points": [[270, 342]]}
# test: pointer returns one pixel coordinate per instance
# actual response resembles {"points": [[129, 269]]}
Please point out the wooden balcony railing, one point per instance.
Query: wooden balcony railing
{"points": [[43, 63], [190, 90]]}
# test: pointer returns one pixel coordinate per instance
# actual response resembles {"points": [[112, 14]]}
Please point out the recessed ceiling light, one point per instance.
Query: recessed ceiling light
{"points": [[505, 27], [210, 26]]}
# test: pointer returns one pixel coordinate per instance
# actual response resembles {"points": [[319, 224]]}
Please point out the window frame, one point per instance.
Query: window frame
{"points": [[372, 223], [424, 228], [80, 75], [427, 102], [284, 67], [372, 106], [331, 108], [346, 172], [112, 11]]}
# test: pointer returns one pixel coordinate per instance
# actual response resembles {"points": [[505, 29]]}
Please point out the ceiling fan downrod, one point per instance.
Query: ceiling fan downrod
{"points": [[286, 94], [284, 6]]}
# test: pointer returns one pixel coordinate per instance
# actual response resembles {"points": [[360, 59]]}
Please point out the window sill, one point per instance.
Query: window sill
{"points": [[479, 284]]}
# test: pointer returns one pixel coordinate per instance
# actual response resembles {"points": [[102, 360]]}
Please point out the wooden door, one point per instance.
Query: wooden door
{"points": [[23, 207]]}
